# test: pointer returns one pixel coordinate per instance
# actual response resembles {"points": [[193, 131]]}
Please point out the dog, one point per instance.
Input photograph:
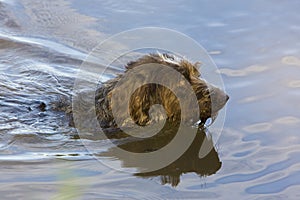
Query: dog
{"points": [[210, 99]]}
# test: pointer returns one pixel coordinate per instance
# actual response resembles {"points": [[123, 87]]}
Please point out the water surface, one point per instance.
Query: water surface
{"points": [[256, 46]]}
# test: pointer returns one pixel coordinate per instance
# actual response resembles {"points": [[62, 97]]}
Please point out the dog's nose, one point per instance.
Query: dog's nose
{"points": [[218, 98]]}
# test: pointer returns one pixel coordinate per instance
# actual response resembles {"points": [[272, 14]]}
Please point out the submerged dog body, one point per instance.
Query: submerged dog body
{"points": [[209, 98]]}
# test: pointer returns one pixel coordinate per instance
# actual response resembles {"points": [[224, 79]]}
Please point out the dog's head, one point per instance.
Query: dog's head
{"points": [[210, 99]]}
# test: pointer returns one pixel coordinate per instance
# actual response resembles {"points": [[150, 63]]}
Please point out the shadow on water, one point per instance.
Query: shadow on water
{"points": [[188, 162]]}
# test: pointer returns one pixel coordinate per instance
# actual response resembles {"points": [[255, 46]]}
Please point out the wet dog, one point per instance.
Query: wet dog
{"points": [[210, 99]]}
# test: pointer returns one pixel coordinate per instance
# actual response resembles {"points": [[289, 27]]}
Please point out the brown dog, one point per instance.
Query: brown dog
{"points": [[209, 98]]}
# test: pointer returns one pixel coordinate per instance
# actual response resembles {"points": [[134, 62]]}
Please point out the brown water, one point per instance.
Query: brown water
{"points": [[255, 44]]}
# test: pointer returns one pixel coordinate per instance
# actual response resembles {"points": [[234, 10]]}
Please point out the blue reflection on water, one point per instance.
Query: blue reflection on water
{"points": [[276, 186], [282, 165]]}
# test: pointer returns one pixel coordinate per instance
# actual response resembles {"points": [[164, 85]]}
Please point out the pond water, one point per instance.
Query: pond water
{"points": [[256, 46]]}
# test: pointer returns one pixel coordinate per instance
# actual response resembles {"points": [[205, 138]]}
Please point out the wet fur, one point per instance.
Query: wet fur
{"points": [[147, 95]]}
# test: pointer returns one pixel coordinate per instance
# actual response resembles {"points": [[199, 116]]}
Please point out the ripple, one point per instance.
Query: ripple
{"points": [[242, 154], [259, 127], [216, 24], [239, 30], [290, 60], [276, 186], [254, 98], [288, 120], [216, 52], [294, 84], [276, 167], [232, 72], [256, 68], [38, 156], [243, 72]]}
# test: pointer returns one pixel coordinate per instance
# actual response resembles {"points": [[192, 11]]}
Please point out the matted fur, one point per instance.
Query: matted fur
{"points": [[147, 95]]}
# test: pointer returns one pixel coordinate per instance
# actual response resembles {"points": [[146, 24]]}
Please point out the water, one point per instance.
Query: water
{"points": [[256, 46]]}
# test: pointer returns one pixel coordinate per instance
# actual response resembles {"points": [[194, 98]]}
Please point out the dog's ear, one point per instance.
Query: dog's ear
{"points": [[170, 103], [139, 105]]}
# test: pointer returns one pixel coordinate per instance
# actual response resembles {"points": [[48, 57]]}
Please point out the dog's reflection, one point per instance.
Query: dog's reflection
{"points": [[188, 162]]}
